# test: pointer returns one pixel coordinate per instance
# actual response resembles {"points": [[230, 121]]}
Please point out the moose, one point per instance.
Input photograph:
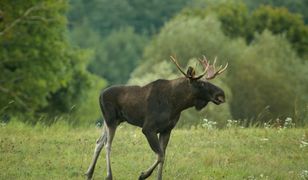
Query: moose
{"points": [[156, 108]]}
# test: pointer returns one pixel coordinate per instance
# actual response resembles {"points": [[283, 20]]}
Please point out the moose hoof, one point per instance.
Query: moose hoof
{"points": [[108, 178], [142, 176], [87, 174]]}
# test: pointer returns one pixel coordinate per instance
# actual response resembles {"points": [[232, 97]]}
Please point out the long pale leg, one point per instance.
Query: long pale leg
{"points": [[163, 142], [110, 136], [99, 145]]}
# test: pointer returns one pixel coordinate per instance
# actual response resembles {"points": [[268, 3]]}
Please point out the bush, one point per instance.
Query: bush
{"points": [[267, 74]]}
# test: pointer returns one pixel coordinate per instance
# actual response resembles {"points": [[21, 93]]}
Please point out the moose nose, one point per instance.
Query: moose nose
{"points": [[221, 98]]}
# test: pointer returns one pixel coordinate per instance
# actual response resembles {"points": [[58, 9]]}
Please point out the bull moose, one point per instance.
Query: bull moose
{"points": [[156, 108]]}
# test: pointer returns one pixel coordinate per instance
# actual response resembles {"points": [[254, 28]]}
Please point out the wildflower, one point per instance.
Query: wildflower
{"points": [[209, 124], [288, 123], [304, 174]]}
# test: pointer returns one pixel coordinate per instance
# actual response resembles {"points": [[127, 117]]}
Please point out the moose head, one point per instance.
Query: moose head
{"points": [[203, 90]]}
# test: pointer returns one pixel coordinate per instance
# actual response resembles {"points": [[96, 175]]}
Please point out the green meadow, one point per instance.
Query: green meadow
{"points": [[63, 152]]}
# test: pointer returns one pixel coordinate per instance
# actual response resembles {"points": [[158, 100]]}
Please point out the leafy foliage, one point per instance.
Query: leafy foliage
{"points": [[78, 101], [161, 70], [295, 6], [267, 75], [237, 22], [280, 21], [234, 16], [144, 16], [118, 55], [40, 72], [33, 56], [117, 37], [185, 38]]}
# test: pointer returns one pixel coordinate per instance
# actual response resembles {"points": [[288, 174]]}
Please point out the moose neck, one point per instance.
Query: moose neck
{"points": [[182, 96]]}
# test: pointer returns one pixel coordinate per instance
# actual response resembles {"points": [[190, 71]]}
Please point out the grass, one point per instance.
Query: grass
{"points": [[60, 152]]}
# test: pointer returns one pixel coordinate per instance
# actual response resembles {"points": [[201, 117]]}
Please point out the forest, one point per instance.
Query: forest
{"points": [[56, 56]]}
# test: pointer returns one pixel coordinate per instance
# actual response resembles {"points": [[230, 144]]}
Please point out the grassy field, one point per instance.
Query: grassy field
{"points": [[60, 152]]}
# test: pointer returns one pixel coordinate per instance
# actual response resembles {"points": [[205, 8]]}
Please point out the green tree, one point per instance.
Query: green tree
{"points": [[33, 56], [178, 37], [118, 55], [237, 21], [267, 81], [106, 16], [37, 61], [281, 21], [77, 102], [117, 31], [233, 15], [294, 6]]}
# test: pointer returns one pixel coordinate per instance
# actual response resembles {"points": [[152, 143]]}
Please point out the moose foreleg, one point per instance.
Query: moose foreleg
{"points": [[163, 141], [154, 143]]}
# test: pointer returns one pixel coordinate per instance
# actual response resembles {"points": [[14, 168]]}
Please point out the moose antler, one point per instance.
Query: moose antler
{"points": [[190, 72], [178, 66], [212, 72]]}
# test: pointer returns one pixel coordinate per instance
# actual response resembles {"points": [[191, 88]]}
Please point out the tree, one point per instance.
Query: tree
{"points": [[233, 15], [281, 21], [118, 55], [295, 6], [37, 61], [104, 16], [267, 81], [117, 31], [77, 102], [33, 60], [237, 22]]}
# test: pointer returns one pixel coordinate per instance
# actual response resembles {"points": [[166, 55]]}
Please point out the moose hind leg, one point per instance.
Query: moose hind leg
{"points": [[154, 143], [99, 145], [110, 135]]}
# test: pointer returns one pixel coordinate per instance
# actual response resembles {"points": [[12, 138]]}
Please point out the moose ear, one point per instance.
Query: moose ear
{"points": [[191, 72]]}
